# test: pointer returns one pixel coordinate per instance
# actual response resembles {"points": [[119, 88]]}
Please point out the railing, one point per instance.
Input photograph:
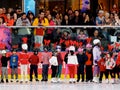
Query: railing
{"points": [[111, 34]]}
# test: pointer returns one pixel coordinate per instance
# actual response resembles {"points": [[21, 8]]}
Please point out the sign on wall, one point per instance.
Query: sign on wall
{"points": [[29, 5]]}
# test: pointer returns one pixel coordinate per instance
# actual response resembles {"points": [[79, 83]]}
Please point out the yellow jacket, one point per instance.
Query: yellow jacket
{"points": [[43, 23]]}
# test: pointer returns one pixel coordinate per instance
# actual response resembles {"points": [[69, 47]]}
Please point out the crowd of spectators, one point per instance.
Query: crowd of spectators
{"points": [[63, 37]]}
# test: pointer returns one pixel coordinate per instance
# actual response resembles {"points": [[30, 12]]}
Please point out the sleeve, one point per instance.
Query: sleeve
{"points": [[35, 23], [113, 63], [18, 22], [95, 54], [28, 24], [46, 23], [76, 61]]}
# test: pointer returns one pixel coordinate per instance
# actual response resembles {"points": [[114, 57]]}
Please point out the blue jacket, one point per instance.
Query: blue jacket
{"points": [[14, 61]]}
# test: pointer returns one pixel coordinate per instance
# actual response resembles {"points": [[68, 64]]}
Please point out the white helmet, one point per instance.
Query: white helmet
{"points": [[4, 51], [24, 46], [72, 48], [96, 41]]}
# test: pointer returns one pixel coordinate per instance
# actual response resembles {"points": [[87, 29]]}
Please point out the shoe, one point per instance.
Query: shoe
{"points": [[82, 81], [21, 81], [37, 80], [2, 81], [78, 80], [42, 80], [59, 80], [100, 81], [112, 81], [46, 80], [107, 81], [11, 80], [17, 80], [7, 81], [30, 80], [26, 81]]}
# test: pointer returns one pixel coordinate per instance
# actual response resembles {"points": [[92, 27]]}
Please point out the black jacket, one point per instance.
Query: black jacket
{"points": [[4, 61], [82, 59]]}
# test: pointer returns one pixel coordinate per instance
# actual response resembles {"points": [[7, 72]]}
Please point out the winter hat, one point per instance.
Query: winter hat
{"points": [[88, 46], [67, 49], [24, 46], [96, 41], [4, 51], [80, 50], [72, 48]]}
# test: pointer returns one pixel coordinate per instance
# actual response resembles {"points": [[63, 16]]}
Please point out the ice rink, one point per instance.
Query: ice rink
{"points": [[58, 86]]}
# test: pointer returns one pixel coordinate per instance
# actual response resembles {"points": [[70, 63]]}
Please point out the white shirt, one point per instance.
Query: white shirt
{"points": [[53, 61], [72, 59]]}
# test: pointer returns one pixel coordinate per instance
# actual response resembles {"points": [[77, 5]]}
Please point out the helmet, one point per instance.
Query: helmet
{"points": [[72, 48], [24, 46], [4, 51], [96, 41], [80, 50], [88, 46]]}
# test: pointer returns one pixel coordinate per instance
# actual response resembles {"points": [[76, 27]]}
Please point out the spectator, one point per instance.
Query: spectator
{"points": [[23, 21], [77, 20], [115, 9], [57, 19], [3, 15], [31, 17], [40, 32], [2, 21], [10, 20], [65, 20], [50, 30], [100, 18]]}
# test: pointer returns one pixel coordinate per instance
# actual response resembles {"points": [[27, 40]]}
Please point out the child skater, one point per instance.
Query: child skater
{"points": [[81, 57], [4, 62], [66, 61], [24, 56], [116, 69], [14, 65], [72, 62], [89, 63], [110, 64], [45, 64], [101, 64], [54, 65], [34, 60]]}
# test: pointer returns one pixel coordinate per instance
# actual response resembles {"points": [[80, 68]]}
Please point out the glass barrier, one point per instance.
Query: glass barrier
{"points": [[52, 37]]}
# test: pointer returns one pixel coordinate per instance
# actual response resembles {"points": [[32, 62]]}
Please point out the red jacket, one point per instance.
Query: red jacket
{"points": [[89, 61], [101, 64], [34, 59], [24, 58]]}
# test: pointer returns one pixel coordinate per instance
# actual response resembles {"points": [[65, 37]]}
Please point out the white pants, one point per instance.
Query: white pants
{"points": [[24, 70], [39, 39]]}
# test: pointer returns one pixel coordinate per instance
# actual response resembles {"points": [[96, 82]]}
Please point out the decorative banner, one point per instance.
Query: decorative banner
{"points": [[5, 37], [29, 5]]}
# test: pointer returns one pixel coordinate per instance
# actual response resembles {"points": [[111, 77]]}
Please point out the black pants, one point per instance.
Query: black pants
{"points": [[45, 72], [54, 71], [80, 71], [89, 73], [109, 72], [101, 75], [116, 70], [33, 68]]}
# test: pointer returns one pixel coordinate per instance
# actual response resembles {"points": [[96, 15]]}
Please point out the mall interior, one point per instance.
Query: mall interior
{"points": [[63, 4]]}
